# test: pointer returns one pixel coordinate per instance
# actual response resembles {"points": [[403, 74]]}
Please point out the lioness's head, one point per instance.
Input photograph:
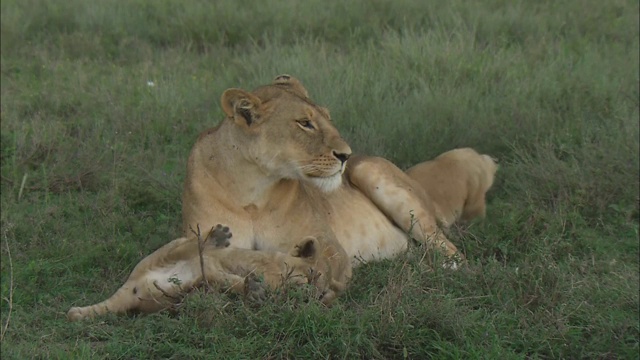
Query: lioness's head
{"points": [[287, 135]]}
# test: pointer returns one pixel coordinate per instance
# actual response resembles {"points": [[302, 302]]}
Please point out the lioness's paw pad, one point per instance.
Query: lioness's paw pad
{"points": [[219, 236]]}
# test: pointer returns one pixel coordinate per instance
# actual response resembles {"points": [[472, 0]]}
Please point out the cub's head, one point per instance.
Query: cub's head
{"points": [[321, 265], [285, 134]]}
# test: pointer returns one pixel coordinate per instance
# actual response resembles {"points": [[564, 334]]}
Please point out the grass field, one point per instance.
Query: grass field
{"points": [[93, 159]]}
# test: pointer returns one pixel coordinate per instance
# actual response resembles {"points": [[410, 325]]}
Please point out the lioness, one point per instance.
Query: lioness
{"points": [[275, 170], [456, 182], [161, 279]]}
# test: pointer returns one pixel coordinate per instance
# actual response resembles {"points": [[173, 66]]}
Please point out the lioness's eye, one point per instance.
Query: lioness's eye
{"points": [[306, 124]]}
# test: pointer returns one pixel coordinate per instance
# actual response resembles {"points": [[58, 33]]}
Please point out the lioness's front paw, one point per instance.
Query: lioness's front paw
{"points": [[219, 236], [254, 289]]}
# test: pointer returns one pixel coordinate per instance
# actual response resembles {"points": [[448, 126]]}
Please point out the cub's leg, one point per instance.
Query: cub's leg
{"points": [[248, 286], [398, 196], [252, 272]]}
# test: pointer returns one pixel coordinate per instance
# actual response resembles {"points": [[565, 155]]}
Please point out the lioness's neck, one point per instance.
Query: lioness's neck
{"points": [[242, 179]]}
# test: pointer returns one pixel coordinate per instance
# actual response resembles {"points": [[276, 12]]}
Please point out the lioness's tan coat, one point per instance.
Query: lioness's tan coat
{"points": [[275, 170]]}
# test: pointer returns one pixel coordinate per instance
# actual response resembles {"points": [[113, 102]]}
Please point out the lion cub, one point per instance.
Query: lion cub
{"points": [[456, 182], [161, 280]]}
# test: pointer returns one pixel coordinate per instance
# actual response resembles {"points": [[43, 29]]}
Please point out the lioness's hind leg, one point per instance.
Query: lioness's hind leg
{"points": [[157, 282], [400, 198], [133, 296], [475, 207]]}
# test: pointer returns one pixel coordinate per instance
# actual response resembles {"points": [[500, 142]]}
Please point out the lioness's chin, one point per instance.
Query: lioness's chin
{"points": [[327, 184]]}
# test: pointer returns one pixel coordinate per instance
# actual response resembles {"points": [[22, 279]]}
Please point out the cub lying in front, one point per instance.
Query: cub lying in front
{"points": [[161, 279], [456, 182]]}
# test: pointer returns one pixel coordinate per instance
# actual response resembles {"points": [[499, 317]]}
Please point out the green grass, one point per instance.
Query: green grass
{"points": [[551, 88]]}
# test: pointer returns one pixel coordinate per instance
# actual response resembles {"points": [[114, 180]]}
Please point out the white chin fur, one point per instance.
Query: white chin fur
{"points": [[327, 184]]}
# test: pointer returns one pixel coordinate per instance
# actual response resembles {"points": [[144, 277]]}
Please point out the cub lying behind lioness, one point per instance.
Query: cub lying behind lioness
{"points": [[163, 278], [456, 182]]}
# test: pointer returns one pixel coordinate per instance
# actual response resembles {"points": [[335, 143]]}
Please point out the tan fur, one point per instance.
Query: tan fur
{"points": [[161, 279], [271, 170], [456, 182]]}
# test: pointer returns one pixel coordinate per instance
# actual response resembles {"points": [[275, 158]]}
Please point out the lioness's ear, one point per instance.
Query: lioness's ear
{"points": [[305, 249], [240, 105], [292, 84]]}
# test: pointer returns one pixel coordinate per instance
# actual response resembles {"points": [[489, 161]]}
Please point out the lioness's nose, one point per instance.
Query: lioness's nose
{"points": [[343, 157]]}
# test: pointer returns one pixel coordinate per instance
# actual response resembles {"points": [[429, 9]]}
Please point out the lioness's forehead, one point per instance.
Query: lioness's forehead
{"points": [[274, 93]]}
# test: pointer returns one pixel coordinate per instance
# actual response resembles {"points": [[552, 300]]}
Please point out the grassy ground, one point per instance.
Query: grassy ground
{"points": [[93, 158]]}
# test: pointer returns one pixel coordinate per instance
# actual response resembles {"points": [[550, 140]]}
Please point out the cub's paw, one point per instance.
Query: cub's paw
{"points": [[219, 236], [254, 289], [454, 262]]}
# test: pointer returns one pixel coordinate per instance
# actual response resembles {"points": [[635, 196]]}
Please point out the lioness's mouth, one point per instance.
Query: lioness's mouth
{"points": [[314, 176]]}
